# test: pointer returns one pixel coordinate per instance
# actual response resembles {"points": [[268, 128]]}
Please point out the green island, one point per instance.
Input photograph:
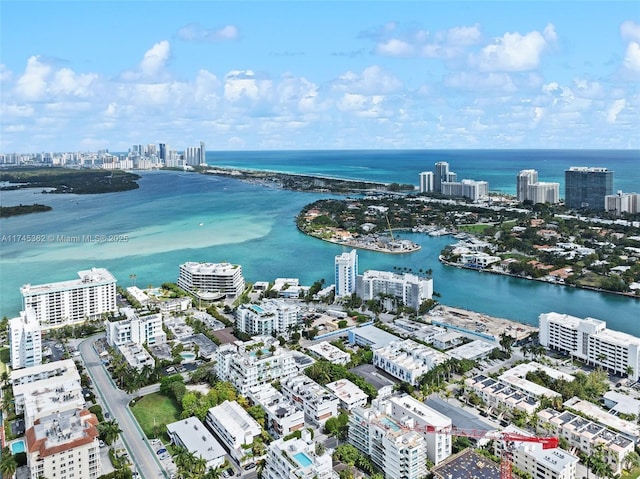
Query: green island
{"points": [[67, 180], [299, 182], [535, 242], [8, 211]]}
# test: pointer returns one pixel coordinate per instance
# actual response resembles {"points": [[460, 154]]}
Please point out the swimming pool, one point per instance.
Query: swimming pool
{"points": [[17, 446], [303, 459], [390, 424], [188, 356]]}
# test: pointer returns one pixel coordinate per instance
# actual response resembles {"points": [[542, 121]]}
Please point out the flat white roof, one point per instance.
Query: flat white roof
{"points": [[346, 391], [603, 417], [235, 420], [516, 377], [197, 438], [376, 336], [421, 411], [472, 350], [87, 278], [624, 404]]}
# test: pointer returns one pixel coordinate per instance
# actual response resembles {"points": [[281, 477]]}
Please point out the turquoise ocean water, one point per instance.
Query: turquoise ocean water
{"points": [[176, 217]]}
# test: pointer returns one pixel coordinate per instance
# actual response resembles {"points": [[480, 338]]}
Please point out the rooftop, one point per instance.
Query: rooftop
{"points": [[196, 438]]}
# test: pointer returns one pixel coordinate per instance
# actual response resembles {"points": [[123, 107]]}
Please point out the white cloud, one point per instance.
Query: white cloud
{"points": [[515, 52], [5, 73], [66, 81], [32, 85], [14, 110], [245, 85], [614, 110], [395, 48], [155, 58], [632, 57], [194, 32], [630, 30], [372, 80], [444, 44], [361, 105]]}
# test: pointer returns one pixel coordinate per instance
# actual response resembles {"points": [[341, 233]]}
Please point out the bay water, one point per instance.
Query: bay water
{"points": [[174, 217]]}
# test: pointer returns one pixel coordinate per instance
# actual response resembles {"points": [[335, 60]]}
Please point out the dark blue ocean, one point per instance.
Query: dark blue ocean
{"points": [[176, 217]]}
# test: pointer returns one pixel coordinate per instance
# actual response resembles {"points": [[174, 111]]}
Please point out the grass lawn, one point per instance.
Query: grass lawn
{"points": [[479, 228], [633, 474], [155, 409], [5, 359]]}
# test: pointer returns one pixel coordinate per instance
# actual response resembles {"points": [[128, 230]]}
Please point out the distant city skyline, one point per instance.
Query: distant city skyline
{"points": [[86, 76]]}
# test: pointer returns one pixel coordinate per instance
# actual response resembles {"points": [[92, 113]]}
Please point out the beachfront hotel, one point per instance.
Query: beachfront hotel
{"points": [[71, 302], [25, 340], [211, 281], [346, 270], [591, 341]]}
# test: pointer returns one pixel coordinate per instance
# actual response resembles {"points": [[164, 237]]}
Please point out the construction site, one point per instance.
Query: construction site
{"points": [[478, 324]]}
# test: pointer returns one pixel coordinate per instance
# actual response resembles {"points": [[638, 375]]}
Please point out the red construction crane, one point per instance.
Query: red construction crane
{"points": [[508, 439]]}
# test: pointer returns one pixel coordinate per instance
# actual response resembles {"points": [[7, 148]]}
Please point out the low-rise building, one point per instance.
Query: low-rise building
{"points": [[349, 395], [593, 411], [270, 316], [474, 350], [586, 436], [43, 390], [318, 403], [297, 458], [137, 328], [530, 457], [498, 394], [370, 336], [328, 351], [64, 445], [136, 356], [283, 416], [191, 434], [259, 361], [407, 360], [234, 427]]}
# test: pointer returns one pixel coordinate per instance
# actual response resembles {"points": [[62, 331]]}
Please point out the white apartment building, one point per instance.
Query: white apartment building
{"points": [[234, 427], [409, 410], [41, 391], [523, 180], [544, 192], [135, 328], [191, 434], [271, 315], [328, 351], [622, 202], [540, 463], [496, 394], [282, 415], [394, 447], [297, 458], [346, 270], [426, 182], [589, 340], [474, 190], [349, 395], [318, 403], [407, 289], [74, 301], [211, 280], [64, 445], [407, 360], [25, 340], [586, 436], [255, 362]]}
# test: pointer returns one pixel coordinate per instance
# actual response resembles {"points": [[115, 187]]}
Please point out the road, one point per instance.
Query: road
{"points": [[116, 401]]}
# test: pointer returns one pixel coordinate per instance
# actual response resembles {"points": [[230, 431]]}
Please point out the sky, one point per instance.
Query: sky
{"points": [[276, 75]]}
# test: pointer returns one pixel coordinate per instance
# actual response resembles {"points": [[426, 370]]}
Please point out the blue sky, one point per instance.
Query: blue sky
{"points": [[319, 75]]}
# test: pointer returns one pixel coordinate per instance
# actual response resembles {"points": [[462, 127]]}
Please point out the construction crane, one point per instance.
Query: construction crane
{"points": [[508, 439], [390, 229]]}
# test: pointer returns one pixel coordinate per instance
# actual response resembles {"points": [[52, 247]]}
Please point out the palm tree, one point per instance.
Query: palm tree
{"points": [[631, 460], [109, 430], [8, 463]]}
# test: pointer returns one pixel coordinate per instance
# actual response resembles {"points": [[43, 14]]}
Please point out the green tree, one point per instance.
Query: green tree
{"points": [[8, 463], [109, 431]]}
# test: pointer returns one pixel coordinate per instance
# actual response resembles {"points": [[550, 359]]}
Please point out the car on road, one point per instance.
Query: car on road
{"points": [[101, 443]]}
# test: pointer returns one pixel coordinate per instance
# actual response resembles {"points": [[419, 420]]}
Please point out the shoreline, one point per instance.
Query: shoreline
{"points": [[541, 280]]}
